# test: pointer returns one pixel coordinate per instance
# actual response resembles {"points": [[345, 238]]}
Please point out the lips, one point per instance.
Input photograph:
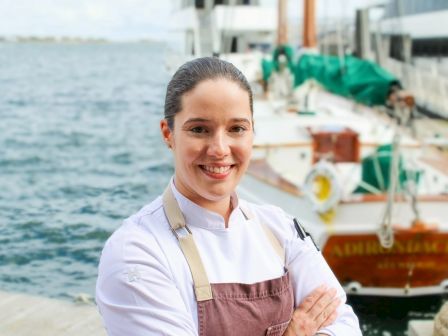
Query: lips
{"points": [[217, 170], [214, 171]]}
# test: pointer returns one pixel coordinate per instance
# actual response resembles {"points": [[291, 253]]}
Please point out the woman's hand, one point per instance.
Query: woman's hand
{"points": [[316, 311]]}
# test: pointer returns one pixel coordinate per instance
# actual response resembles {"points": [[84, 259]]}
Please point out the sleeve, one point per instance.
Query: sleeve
{"points": [[309, 270], [135, 292]]}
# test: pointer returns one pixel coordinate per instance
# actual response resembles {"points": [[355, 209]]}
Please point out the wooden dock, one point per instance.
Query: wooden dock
{"points": [[420, 328], [24, 315]]}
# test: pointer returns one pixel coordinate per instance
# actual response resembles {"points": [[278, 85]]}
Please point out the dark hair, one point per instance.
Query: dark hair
{"points": [[189, 75]]}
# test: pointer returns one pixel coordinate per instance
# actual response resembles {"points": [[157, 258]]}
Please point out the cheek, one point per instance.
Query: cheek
{"points": [[187, 152], [244, 151], [248, 154]]}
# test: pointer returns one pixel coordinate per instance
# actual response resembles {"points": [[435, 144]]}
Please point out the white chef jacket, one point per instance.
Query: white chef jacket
{"points": [[145, 287]]}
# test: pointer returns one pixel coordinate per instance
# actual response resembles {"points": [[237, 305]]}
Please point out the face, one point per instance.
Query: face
{"points": [[211, 140]]}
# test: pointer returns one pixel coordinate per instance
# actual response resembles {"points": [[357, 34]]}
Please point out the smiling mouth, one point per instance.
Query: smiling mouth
{"points": [[214, 170]]}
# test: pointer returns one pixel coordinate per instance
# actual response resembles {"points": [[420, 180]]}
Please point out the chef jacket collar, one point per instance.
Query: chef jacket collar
{"points": [[196, 215]]}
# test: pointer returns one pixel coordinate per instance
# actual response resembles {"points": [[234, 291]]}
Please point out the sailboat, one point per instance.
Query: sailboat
{"points": [[374, 198], [379, 197]]}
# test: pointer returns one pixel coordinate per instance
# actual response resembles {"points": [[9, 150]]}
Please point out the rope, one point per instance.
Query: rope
{"points": [[385, 233], [412, 189], [378, 173]]}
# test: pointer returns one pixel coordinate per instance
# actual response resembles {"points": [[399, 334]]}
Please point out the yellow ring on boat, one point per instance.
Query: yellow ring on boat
{"points": [[321, 187]]}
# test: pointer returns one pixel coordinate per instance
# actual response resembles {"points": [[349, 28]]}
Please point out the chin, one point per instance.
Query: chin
{"points": [[217, 194]]}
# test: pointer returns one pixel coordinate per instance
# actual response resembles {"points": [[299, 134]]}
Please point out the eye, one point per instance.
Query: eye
{"points": [[238, 129], [198, 130]]}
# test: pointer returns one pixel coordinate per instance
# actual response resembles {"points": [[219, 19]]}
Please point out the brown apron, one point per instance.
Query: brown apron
{"points": [[262, 308]]}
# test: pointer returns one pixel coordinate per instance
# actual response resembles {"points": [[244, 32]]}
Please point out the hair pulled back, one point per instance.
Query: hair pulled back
{"points": [[189, 75]]}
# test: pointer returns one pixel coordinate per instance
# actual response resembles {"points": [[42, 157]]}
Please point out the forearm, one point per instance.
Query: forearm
{"points": [[304, 277]]}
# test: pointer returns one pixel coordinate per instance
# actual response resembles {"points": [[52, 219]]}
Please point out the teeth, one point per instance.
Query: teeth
{"points": [[217, 170]]}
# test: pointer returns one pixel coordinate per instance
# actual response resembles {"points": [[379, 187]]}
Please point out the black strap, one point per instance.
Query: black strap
{"points": [[302, 233]]}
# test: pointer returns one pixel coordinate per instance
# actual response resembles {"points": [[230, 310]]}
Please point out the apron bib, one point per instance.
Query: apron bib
{"points": [[262, 308]]}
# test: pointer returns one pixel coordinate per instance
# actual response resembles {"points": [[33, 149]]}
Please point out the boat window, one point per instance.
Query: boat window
{"points": [[234, 47], [199, 3], [397, 8], [432, 47]]}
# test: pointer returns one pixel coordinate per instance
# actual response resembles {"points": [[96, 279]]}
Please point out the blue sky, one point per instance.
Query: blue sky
{"points": [[119, 19]]}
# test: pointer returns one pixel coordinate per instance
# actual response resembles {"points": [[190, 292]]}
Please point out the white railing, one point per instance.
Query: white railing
{"points": [[430, 89]]}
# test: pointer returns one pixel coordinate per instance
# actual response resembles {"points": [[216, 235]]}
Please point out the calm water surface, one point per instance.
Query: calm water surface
{"points": [[80, 151]]}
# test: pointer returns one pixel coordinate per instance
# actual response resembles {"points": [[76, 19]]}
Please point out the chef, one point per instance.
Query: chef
{"points": [[198, 260]]}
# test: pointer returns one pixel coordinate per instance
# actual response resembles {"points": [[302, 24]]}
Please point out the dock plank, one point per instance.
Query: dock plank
{"points": [[420, 328], [24, 315]]}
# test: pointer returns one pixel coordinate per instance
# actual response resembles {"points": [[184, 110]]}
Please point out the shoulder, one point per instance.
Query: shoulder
{"points": [[136, 239], [147, 220], [280, 222], [265, 210], [151, 210]]}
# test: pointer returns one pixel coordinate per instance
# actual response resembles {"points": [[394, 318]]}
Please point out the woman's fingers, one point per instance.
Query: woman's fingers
{"points": [[329, 320], [310, 300], [329, 314], [321, 303], [317, 310]]}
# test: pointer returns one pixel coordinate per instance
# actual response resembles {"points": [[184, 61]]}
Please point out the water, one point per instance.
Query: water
{"points": [[79, 151]]}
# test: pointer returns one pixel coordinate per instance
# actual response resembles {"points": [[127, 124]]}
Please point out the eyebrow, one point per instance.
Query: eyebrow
{"points": [[241, 120], [193, 120]]}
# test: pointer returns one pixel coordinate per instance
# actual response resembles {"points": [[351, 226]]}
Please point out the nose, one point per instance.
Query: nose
{"points": [[219, 145]]}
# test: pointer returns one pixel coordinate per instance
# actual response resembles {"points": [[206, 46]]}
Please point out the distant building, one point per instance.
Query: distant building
{"points": [[425, 21]]}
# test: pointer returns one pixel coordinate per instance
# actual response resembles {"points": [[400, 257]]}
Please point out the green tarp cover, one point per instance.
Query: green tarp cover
{"points": [[268, 66], [376, 171], [361, 80]]}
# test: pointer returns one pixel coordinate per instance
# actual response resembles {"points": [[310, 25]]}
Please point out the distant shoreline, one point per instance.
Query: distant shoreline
{"points": [[68, 40]]}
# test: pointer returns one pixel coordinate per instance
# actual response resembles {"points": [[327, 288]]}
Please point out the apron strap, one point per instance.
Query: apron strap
{"points": [[176, 220], [278, 248]]}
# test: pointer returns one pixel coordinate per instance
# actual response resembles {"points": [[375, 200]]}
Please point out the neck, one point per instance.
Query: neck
{"points": [[222, 207]]}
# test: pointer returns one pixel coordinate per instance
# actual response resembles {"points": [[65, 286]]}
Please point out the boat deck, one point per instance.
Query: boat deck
{"points": [[24, 315], [261, 170], [420, 327], [440, 164], [437, 159]]}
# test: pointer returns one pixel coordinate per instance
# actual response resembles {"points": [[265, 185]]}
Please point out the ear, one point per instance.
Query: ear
{"points": [[167, 134]]}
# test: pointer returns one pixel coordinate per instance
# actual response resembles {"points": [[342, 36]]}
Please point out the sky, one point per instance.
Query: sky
{"points": [[120, 19]]}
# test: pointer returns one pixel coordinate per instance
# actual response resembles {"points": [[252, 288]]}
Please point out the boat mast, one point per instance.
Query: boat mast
{"points": [[282, 31], [309, 24]]}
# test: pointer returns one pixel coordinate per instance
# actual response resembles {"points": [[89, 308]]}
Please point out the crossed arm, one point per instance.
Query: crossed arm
{"points": [[316, 311], [137, 295]]}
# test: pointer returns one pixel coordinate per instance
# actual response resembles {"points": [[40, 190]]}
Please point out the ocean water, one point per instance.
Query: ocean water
{"points": [[80, 151]]}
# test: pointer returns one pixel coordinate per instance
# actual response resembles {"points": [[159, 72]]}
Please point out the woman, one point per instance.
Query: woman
{"points": [[200, 261]]}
